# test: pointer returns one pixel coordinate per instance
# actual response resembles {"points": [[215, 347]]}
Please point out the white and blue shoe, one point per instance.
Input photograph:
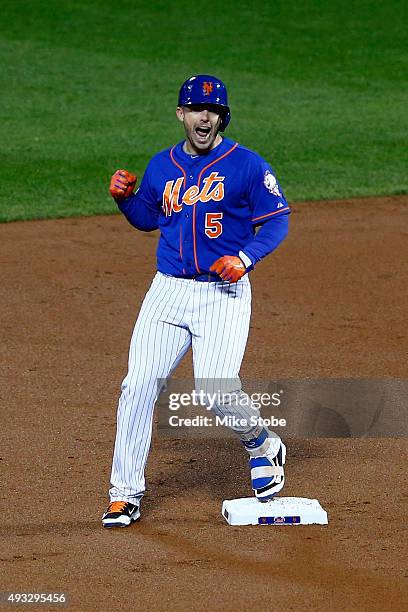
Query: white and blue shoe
{"points": [[267, 473]]}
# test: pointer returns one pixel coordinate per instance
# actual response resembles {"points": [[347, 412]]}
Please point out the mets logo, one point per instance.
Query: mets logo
{"points": [[271, 183], [213, 189], [207, 88]]}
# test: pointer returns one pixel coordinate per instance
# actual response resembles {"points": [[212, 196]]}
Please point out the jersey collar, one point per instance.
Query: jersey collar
{"points": [[187, 158]]}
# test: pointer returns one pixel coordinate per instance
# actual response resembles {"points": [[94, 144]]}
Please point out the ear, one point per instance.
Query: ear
{"points": [[180, 113]]}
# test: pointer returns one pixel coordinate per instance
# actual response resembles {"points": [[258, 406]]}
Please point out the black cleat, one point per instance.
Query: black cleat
{"points": [[120, 514]]}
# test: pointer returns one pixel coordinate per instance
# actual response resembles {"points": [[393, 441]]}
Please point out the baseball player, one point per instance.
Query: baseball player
{"points": [[207, 195]]}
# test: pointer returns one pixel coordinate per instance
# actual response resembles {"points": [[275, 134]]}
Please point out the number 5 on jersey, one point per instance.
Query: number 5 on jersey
{"points": [[213, 226]]}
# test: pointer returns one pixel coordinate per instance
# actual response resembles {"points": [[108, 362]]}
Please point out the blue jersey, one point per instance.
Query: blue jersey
{"points": [[206, 206]]}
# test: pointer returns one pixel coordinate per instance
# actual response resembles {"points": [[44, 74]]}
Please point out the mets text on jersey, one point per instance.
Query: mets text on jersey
{"points": [[213, 189]]}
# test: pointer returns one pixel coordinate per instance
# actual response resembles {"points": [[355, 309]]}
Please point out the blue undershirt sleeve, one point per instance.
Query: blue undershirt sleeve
{"points": [[142, 208], [139, 214], [268, 238]]}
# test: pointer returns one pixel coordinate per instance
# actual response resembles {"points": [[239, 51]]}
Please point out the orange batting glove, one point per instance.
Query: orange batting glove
{"points": [[122, 184], [229, 268]]}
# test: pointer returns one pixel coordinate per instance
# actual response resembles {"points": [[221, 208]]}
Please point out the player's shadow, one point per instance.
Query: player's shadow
{"points": [[216, 468]]}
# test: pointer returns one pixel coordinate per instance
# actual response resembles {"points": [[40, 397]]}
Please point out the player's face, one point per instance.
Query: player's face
{"points": [[201, 125]]}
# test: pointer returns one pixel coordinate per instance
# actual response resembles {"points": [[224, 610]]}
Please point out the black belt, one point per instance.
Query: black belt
{"points": [[209, 277]]}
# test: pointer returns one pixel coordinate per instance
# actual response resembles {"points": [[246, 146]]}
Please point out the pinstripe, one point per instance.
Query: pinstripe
{"points": [[237, 316], [231, 360], [125, 403], [135, 412], [153, 371], [240, 331], [209, 351], [229, 319], [139, 373], [213, 317], [200, 366], [183, 319], [208, 322], [240, 334], [142, 450], [228, 346], [161, 369], [150, 387]]}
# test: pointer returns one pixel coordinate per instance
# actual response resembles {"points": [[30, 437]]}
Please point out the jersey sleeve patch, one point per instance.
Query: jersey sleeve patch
{"points": [[265, 195], [271, 183]]}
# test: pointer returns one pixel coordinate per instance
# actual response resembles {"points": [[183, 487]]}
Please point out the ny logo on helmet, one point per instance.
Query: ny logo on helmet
{"points": [[207, 88]]}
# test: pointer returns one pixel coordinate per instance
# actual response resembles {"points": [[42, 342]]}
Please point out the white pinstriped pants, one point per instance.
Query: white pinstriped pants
{"points": [[213, 318]]}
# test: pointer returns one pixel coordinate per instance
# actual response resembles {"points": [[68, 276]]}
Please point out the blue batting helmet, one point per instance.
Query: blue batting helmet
{"points": [[208, 90]]}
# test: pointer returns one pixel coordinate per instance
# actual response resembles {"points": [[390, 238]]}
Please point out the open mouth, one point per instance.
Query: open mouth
{"points": [[203, 132]]}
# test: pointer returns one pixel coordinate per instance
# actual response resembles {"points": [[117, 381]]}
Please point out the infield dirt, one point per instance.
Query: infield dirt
{"points": [[331, 302]]}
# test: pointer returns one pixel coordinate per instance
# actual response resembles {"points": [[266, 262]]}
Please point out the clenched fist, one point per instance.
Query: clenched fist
{"points": [[229, 268], [122, 184]]}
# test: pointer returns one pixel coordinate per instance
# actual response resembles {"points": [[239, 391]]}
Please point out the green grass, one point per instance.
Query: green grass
{"points": [[87, 86]]}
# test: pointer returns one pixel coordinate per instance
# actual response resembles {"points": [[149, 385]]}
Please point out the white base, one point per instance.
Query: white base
{"points": [[277, 511]]}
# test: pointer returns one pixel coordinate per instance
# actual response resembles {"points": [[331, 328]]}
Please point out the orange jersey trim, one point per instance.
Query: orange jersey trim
{"points": [[198, 184], [215, 161], [194, 242], [178, 166], [194, 209], [271, 214]]}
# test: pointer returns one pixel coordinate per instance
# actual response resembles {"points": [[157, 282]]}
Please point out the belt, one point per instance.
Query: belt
{"points": [[208, 277]]}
